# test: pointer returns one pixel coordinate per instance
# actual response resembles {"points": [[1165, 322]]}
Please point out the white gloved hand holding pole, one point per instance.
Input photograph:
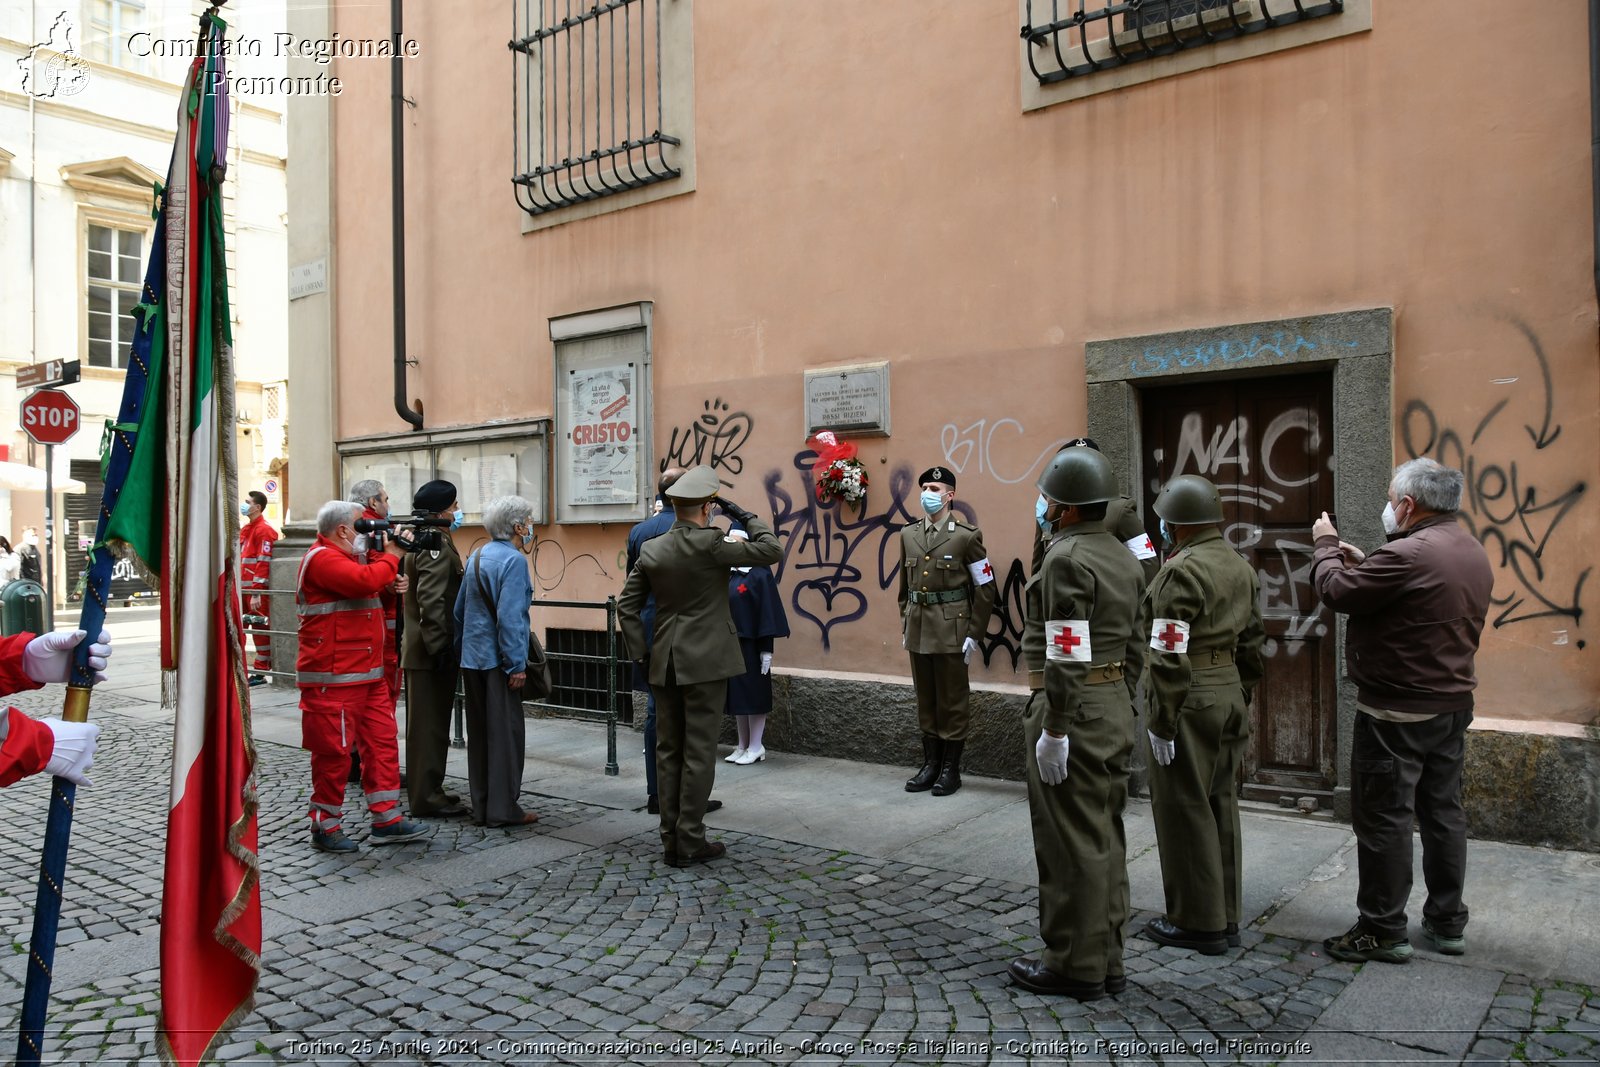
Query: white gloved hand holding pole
{"points": [[73, 753], [48, 657], [1162, 750], [766, 663], [1051, 752]]}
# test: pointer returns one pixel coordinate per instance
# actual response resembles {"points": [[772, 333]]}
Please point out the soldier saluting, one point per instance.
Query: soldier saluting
{"points": [[1204, 617], [946, 595]]}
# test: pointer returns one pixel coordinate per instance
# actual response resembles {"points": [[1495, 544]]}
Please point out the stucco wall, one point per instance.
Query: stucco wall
{"points": [[868, 188]]}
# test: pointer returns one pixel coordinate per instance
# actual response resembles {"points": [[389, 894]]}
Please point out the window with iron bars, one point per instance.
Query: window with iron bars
{"points": [[591, 99], [1067, 40]]}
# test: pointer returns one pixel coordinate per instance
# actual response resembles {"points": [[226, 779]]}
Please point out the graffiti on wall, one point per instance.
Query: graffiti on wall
{"points": [[1253, 351], [835, 556], [1010, 611], [1515, 508], [714, 438], [975, 446]]}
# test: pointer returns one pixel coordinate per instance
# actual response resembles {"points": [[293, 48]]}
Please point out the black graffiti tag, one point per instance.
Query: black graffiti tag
{"points": [[1010, 610], [713, 439]]}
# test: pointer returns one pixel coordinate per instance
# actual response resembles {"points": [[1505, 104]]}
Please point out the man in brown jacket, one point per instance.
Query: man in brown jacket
{"points": [[1416, 607]]}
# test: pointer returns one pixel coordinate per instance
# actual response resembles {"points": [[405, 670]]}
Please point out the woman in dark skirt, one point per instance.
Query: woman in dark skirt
{"points": [[757, 610]]}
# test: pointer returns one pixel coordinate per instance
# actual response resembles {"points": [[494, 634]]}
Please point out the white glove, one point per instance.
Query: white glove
{"points": [[48, 657], [73, 754], [766, 663], [1051, 752], [968, 647], [1162, 750]]}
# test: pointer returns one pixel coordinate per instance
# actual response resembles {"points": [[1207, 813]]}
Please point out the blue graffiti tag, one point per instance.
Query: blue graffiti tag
{"points": [[1277, 346]]}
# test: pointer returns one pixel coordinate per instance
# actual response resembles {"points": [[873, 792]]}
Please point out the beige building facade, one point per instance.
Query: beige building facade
{"points": [[1284, 256]]}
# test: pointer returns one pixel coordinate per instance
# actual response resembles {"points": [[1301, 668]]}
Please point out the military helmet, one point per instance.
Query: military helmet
{"points": [[1078, 476], [1189, 500]]}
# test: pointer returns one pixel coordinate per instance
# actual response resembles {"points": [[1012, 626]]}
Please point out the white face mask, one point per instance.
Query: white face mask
{"points": [[359, 544], [1391, 521]]}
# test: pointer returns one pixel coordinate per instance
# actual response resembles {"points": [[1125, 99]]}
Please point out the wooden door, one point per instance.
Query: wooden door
{"points": [[1267, 444]]}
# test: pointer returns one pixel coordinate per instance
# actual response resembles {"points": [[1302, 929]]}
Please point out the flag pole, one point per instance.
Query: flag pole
{"points": [[117, 453]]}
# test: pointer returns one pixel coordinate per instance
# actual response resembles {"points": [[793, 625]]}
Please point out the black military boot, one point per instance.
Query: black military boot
{"points": [[950, 771], [923, 779]]}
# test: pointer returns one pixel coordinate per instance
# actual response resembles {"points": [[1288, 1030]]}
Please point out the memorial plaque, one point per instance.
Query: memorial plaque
{"points": [[853, 399]]}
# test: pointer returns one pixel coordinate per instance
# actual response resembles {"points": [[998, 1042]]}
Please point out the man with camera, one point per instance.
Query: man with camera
{"points": [[694, 650], [374, 500], [428, 654], [255, 569], [344, 698]]}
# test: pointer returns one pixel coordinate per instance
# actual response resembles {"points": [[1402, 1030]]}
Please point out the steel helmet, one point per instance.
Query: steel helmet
{"points": [[1078, 476], [1189, 500]]}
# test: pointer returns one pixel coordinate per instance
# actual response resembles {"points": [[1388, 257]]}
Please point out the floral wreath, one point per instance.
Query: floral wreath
{"points": [[838, 474]]}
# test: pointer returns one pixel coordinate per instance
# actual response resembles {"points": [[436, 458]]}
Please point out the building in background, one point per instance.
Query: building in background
{"points": [[1281, 245], [89, 96]]}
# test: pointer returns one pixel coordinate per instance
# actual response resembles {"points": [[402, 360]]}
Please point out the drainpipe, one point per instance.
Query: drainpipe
{"points": [[397, 166]]}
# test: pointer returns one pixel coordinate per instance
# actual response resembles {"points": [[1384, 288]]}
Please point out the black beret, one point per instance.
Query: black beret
{"points": [[434, 496], [938, 474]]}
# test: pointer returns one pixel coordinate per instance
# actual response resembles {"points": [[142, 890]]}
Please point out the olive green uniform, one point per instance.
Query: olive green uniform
{"points": [[428, 655], [942, 603], [1122, 522], [1085, 691], [694, 652], [1198, 693]]}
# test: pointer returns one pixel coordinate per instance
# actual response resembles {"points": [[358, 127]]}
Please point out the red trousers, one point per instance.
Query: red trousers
{"points": [[333, 720], [257, 605]]}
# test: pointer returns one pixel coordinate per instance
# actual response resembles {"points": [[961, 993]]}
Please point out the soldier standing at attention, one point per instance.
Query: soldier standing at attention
{"points": [[1204, 612], [694, 651], [1084, 650], [946, 594], [1122, 522]]}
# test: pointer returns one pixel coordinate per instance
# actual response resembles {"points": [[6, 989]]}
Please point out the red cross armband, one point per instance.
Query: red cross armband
{"points": [[1067, 639], [1169, 635], [982, 573], [1141, 546]]}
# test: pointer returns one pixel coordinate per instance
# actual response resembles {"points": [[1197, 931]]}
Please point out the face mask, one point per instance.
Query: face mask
{"points": [[1166, 533], [359, 544], [1039, 508], [932, 501], [1391, 521], [456, 518], [244, 509]]}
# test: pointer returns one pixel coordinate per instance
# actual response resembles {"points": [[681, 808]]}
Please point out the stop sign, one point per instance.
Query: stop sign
{"points": [[49, 416]]}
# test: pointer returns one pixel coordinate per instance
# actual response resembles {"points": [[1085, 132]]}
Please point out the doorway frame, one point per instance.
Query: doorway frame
{"points": [[1357, 346]]}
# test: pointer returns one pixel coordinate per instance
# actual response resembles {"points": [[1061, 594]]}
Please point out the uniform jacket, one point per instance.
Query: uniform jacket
{"points": [[1122, 522], [1416, 607], [951, 557], [255, 554], [341, 617], [651, 528], [686, 569], [28, 744], [1209, 588], [430, 605], [493, 634], [1088, 581]]}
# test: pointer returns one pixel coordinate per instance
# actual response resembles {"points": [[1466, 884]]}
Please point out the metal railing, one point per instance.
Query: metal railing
{"points": [[1071, 41], [606, 690]]}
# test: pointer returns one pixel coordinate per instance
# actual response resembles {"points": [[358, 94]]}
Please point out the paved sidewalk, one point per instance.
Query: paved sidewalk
{"points": [[851, 922]]}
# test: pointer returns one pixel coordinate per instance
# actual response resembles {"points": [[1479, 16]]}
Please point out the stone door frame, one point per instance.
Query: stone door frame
{"points": [[1357, 346]]}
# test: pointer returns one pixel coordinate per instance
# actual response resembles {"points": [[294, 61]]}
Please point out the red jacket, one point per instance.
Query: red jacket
{"points": [[341, 618], [255, 554], [28, 744]]}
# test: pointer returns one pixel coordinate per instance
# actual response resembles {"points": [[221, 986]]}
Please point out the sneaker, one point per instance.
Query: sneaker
{"points": [[1446, 945], [1359, 945], [735, 756], [332, 841], [257, 679], [400, 831]]}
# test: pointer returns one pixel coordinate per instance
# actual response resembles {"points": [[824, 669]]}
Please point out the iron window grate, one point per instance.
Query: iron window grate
{"points": [[1074, 40], [587, 109]]}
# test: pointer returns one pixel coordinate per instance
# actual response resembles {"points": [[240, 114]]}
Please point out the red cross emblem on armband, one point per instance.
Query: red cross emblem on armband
{"points": [[1170, 637], [1066, 640], [988, 571]]}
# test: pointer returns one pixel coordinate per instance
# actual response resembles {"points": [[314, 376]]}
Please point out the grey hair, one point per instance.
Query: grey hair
{"points": [[365, 490], [503, 513], [334, 514], [1432, 485]]}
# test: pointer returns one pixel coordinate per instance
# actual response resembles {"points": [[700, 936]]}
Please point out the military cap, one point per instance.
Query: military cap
{"points": [[434, 496], [697, 485], [1189, 500], [938, 474]]}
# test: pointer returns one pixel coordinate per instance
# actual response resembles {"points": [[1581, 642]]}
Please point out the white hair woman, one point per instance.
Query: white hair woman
{"points": [[492, 636]]}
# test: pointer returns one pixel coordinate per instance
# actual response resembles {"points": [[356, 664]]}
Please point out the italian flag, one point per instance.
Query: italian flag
{"points": [[175, 514]]}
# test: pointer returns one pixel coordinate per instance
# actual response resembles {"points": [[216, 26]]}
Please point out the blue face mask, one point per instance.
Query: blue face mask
{"points": [[244, 509], [456, 518], [1166, 533], [1039, 508], [932, 502]]}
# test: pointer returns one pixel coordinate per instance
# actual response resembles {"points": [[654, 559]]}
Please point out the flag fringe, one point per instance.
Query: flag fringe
{"points": [[164, 1045]]}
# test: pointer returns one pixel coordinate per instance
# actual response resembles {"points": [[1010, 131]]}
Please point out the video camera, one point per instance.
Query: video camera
{"points": [[423, 536]]}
